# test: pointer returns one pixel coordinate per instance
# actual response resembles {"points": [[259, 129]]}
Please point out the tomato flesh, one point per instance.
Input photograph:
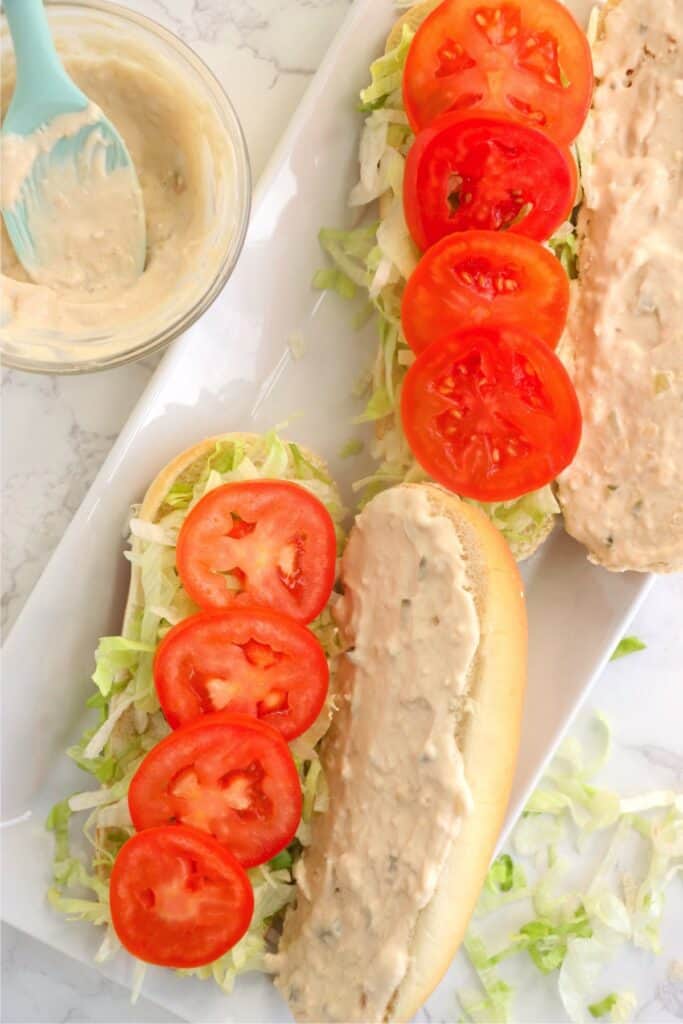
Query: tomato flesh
{"points": [[263, 542], [527, 59], [178, 898], [226, 774], [251, 660], [490, 413], [488, 173], [478, 278]]}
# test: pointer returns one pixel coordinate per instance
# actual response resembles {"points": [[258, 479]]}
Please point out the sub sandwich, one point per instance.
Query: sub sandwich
{"points": [[266, 742], [457, 253]]}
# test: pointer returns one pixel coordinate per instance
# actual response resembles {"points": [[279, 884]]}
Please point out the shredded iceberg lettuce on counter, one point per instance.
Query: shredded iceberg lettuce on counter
{"points": [[619, 1006], [129, 722], [374, 261], [492, 1005], [569, 930], [627, 645]]}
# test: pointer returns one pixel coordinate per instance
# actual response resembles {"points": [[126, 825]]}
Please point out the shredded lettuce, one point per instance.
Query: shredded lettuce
{"points": [[523, 521], [114, 658], [350, 251], [573, 932], [565, 244], [352, 447], [590, 808], [379, 405], [382, 162], [505, 876], [505, 883], [493, 1006], [332, 279], [273, 891], [619, 1006], [70, 872], [129, 721], [387, 74], [179, 495], [627, 645], [546, 942]]}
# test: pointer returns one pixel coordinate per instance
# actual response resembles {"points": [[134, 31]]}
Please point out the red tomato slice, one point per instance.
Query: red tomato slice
{"points": [[178, 898], [467, 171], [262, 542], [225, 774], [528, 59], [490, 413], [476, 278], [250, 660]]}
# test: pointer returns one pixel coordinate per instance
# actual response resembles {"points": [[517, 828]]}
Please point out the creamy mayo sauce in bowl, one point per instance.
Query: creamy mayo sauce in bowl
{"points": [[187, 147], [83, 213]]}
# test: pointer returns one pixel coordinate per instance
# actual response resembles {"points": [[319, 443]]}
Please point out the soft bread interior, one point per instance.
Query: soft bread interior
{"points": [[488, 737]]}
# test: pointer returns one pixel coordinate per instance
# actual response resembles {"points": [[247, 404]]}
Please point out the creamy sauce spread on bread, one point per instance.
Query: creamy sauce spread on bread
{"points": [[623, 494], [397, 789]]}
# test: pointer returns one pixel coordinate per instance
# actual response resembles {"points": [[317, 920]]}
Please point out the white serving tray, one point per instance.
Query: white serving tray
{"points": [[234, 371]]}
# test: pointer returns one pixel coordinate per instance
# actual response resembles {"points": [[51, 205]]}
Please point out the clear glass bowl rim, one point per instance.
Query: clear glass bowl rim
{"points": [[229, 118]]}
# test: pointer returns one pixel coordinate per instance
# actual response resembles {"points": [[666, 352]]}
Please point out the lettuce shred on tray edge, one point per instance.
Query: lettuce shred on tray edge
{"points": [[124, 688]]}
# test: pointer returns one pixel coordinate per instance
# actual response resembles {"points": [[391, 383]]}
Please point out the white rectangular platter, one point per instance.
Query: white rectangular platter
{"points": [[234, 371]]}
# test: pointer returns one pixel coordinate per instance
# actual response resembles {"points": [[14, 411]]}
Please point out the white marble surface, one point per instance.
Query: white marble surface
{"points": [[55, 433]]}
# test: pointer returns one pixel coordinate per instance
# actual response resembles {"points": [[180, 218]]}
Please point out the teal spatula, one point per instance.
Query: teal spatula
{"points": [[65, 169]]}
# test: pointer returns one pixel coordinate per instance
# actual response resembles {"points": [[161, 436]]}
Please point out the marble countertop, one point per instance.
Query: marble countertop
{"points": [[56, 432]]}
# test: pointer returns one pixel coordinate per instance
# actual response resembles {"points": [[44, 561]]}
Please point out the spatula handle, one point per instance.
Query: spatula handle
{"points": [[41, 78], [33, 45]]}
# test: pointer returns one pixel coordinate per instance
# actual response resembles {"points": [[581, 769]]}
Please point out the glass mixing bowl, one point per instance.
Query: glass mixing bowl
{"points": [[84, 28]]}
